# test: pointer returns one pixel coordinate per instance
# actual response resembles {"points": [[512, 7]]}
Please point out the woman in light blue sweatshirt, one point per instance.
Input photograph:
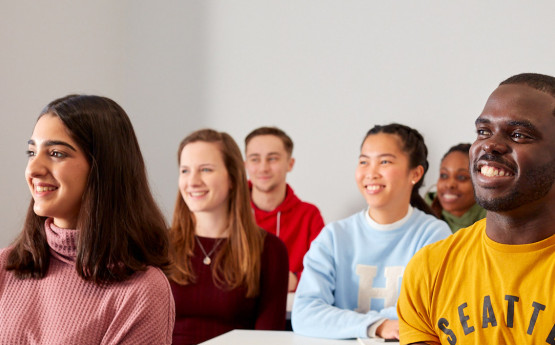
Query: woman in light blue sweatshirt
{"points": [[353, 270]]}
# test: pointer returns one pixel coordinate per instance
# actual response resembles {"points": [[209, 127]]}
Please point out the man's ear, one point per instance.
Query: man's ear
{"points": [[291, 164]]}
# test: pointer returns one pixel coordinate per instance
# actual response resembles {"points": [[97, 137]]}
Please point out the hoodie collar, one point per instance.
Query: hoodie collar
{"points": [[290, 201]]}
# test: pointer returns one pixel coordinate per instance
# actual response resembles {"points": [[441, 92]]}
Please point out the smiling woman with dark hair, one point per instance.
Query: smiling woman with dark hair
{"points": [[86, 269], [353, 269], [454, 199]]}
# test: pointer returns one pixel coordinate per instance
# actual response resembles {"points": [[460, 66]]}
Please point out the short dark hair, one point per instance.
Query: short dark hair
{"points": [[121, 229], [462, 147], [287, 142], [541, 82], [414, 146]]}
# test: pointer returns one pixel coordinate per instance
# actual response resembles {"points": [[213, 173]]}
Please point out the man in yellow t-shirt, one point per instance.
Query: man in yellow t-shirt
{"points": [[492, 283]]}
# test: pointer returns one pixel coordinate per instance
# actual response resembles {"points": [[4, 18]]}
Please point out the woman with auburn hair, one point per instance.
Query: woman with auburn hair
{"points": [[87, 267], [227, 272]]}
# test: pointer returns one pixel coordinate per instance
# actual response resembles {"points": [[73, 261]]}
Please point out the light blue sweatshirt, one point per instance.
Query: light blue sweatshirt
{"points": [[353, 270]]}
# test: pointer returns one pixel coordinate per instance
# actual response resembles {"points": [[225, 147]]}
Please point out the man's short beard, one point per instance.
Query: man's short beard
{"points": [[537, 184]]}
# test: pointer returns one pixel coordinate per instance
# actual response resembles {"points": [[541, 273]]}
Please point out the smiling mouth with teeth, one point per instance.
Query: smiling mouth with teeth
{"points": [[373, 187], [491, 171], [41, 189], [449, 197]]}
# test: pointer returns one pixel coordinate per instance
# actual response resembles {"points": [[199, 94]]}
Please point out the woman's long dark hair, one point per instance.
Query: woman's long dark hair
{"points": [[415, 148], [121, 229]]}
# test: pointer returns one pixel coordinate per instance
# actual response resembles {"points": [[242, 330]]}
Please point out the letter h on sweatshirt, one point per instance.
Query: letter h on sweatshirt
{"points": [[366, 292]]}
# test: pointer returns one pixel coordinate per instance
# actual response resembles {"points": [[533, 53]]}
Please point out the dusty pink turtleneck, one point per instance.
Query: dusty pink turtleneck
{"points": [[62, 308]]}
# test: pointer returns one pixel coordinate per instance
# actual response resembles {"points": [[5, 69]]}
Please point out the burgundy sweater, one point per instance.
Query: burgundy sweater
{"points": [[62, 308], [204, 311]]}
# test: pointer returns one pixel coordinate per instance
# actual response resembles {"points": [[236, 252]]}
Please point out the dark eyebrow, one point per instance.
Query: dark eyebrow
{"points": [[528, 125], [481, 120], [515, 123], [53, 143], [525, 124]]}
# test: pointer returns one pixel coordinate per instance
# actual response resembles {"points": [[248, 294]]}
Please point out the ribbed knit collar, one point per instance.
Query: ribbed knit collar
{"points": [[62, 242]]}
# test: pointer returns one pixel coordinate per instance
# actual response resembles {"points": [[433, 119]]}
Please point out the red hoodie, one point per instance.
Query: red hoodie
{"points": [[295, 222]]}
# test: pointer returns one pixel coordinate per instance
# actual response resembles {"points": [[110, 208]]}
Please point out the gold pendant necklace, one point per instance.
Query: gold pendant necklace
{"points": [[207, 261]]}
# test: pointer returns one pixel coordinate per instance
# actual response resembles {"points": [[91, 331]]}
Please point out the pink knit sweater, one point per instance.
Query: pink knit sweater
{"points": [[62, 308]]}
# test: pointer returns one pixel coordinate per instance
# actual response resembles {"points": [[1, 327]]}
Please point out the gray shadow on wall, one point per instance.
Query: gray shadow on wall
{"points": [[164, 66]]}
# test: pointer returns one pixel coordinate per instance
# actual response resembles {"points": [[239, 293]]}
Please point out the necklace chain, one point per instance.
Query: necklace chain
{"points": [[207, 260]]}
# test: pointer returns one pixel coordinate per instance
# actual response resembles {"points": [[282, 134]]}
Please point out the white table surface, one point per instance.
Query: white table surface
{"points": [[250, 337]]}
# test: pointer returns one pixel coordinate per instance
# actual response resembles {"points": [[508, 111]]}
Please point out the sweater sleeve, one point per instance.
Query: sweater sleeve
{"points": [[273, 285], [146, 314], [314, 313]]}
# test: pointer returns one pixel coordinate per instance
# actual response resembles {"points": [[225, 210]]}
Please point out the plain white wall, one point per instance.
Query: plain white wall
{"points": [[324, 71]]}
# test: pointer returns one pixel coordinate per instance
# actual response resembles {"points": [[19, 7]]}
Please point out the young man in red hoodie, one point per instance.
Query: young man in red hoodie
{"points": [[277, 209]]}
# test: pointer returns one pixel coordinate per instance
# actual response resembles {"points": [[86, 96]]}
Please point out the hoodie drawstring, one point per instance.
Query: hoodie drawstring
{"points": [[278, 225]]}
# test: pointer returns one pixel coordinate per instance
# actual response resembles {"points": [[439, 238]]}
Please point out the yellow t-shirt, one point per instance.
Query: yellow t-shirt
{"points": [[468, 289]]}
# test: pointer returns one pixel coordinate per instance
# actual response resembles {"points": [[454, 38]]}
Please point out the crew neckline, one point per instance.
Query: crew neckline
{"points": [[391, 226]]}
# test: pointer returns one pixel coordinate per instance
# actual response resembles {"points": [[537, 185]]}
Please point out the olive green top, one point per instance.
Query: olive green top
{"points": [[474, 214]]}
